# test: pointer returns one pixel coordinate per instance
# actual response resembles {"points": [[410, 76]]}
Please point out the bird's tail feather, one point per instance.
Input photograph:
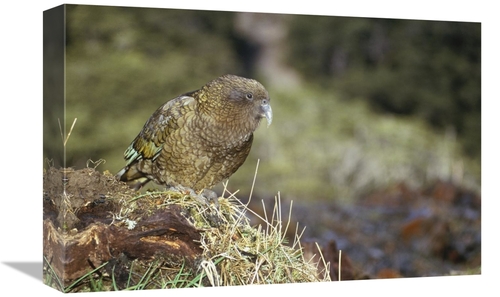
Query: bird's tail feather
{"points": [[133, 177]]}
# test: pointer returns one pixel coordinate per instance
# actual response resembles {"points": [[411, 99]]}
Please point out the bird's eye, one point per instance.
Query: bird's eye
{"points": [[249, 96]]}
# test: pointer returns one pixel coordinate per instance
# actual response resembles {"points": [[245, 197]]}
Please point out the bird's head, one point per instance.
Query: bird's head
{"points": [[241, 100]]}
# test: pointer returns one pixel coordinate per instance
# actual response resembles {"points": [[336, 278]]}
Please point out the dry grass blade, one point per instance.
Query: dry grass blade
{"points": [[65, 138], [340, 263]]}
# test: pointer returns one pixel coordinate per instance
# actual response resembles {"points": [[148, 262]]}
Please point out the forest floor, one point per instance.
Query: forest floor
{"points": [[398, 231]]}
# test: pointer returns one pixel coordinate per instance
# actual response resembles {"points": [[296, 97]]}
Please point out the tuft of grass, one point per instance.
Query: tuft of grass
{"points": [[239, 254], [95, 281]]}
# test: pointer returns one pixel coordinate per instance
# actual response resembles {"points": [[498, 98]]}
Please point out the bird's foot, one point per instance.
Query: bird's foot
{"points": [[205, 197], [210, 196]]}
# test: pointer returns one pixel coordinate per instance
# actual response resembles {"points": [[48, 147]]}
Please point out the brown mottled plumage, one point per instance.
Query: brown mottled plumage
{"points": [[199, 138]]}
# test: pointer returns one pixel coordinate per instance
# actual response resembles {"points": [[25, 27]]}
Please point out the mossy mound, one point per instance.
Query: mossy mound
{"points": [[120, 239]]}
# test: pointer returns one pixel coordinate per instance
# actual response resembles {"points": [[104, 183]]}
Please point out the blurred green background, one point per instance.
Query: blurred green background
{"points": [[358, 103]]}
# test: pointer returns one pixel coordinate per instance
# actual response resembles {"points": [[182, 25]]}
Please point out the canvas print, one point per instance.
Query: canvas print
{"points": [[195, 148]]}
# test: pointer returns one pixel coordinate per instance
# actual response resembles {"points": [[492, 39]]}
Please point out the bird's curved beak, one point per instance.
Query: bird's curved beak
{"points": [[267, 112]]}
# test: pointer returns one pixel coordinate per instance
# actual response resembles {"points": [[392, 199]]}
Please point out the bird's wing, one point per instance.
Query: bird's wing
{"points": [[149, 143]]}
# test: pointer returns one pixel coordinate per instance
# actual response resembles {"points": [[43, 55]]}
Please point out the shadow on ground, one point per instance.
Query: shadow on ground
{"points": [[33, 269]]}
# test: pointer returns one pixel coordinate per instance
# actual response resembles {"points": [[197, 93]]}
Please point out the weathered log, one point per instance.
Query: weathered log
{"points": [[166, 233], [95, 234]]}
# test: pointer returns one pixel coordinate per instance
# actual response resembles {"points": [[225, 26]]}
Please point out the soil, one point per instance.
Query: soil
{"points": [[85, 190]]}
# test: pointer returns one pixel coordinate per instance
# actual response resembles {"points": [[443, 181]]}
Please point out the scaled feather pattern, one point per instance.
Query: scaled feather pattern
{"points": [[200, 138]]}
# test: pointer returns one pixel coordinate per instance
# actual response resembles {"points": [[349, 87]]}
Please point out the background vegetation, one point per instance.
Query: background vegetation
{"points": [[359, 103]]}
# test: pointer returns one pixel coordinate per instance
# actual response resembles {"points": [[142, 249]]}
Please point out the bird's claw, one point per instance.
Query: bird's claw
{"points": [[210, 196], [205, 197]]}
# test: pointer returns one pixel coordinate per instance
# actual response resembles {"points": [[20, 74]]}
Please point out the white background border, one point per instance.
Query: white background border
{"points": [[21, 140]]}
